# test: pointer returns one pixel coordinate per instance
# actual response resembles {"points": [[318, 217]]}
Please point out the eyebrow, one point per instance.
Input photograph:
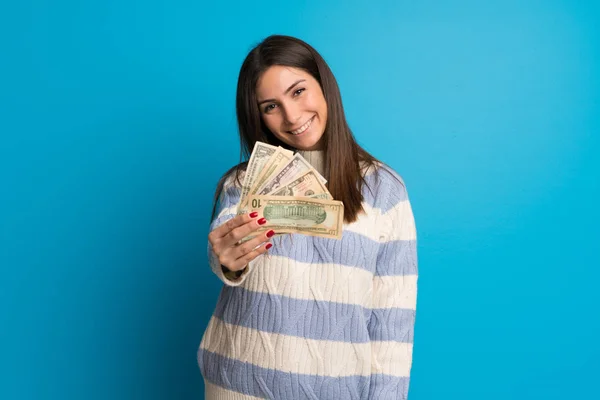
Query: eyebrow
{"points": [[286, 91]]}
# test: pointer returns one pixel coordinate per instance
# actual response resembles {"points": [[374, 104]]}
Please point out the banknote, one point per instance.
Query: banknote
{"points": [[295, 167], [275, 163], [261, 155], [307, 185], [324, 196], [308, 216]]}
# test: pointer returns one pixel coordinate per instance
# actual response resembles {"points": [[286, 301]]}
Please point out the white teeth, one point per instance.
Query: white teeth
{"points": [[302, 128]]}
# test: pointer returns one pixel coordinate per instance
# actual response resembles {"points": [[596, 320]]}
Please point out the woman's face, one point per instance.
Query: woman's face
{"points": [[292, 106]]}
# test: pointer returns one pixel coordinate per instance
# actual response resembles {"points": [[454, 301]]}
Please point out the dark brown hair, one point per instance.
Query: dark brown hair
{"points": [[343, 156]]}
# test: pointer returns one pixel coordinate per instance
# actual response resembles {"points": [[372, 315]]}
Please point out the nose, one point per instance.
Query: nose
{"points": [[292, 114]]}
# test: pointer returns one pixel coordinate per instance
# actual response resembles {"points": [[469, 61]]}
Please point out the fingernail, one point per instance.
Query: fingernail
{"points": [[270, 233], [262, 221], [253, 214], [268, 246]]}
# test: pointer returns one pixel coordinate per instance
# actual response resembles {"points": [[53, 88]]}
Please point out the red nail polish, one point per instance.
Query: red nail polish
{"points": [[268, 246], [270, 233], [262, 221], [253, 214]]}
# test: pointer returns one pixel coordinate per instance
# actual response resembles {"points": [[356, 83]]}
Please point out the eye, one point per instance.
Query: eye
{"points": [[269, 108], [297, 92]]}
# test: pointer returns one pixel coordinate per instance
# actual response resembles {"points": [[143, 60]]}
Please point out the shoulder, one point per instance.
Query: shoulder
{"points": [[385, 186], [229, 186], [234, 177], [386, 174]]}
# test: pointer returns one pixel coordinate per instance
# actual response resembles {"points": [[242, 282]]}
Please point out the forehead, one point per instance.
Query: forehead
{"points": [[275, 80]]}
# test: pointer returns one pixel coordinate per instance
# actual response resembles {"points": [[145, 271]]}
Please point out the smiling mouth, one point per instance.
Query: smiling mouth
{"points": [[304, 127]]}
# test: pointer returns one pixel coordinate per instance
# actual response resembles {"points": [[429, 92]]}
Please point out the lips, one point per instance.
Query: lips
{"points": [[303, 128]]}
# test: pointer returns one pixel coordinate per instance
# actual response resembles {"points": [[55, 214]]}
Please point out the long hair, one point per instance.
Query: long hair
{"points": [[343, 156]]}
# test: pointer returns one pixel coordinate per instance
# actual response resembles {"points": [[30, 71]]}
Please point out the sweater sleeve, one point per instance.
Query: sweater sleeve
{"points": [[229, 199], [391, 324]]}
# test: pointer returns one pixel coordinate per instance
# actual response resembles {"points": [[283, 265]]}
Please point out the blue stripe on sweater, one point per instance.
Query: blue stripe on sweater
{"points": [[384, 189], [395, 324], [261, 382], [230, 197], [352, 250], [397, 257], [322, 320], [386, 387]]}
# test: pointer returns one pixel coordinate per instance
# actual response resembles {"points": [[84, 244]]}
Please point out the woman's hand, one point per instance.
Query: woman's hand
{"points": [[224, 241]]}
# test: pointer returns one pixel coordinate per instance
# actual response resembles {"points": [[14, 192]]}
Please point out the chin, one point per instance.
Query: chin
{"points": [[306, 143]]}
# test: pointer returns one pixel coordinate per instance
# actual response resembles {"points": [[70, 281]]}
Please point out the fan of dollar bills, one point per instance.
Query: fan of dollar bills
{"points": [[290, 194]]}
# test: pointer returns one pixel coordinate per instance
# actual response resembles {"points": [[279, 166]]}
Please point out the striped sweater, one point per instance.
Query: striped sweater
{"points": [[318, 318]]}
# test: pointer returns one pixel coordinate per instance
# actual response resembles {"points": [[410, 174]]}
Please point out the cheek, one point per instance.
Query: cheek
{"points": [[270, 121], [273, 123], [317, 103], [312, 103]]}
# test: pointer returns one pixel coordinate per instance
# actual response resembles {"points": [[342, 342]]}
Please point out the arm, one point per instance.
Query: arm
{"points": [[391, 325], [226, 210], [225, 230]]}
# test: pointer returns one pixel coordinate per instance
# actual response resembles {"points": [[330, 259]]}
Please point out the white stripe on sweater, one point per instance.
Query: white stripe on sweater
{"points": [[307, 356], [287, 353], [282, 276], [391, 358], [370, 223], [395, 292]]}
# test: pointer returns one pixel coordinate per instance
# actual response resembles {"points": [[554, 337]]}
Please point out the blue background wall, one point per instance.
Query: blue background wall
{"points": [[117, 119]]}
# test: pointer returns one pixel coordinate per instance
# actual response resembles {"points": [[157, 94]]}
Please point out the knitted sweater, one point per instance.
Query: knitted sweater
{"points": [[318, 318]]}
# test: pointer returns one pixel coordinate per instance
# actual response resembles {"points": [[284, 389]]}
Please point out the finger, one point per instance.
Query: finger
{"points": [[232, 223], [235, 235], [228, 255], [241, 262], [250, 245]]}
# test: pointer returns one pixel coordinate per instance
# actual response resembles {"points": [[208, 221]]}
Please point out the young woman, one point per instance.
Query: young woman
{"points": [[314, 318]]}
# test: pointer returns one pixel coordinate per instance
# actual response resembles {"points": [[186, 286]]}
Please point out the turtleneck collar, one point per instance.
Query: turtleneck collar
{"points": [[316, 158]]}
